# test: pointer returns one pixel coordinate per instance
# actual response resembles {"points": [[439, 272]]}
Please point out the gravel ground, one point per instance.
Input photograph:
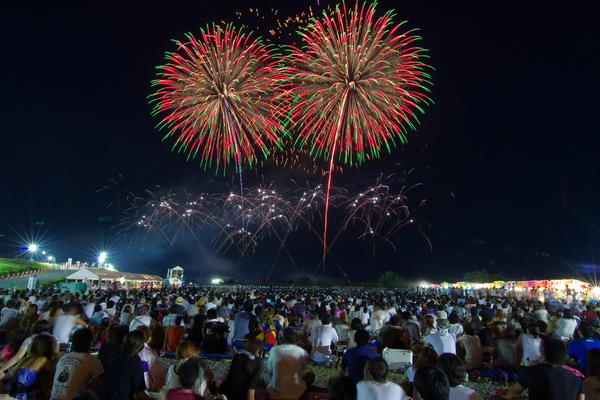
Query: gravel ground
{"points": [[324, 374]]}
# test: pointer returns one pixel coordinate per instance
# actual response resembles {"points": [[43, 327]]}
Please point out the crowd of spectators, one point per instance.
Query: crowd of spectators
{"points": [[114, 344]]}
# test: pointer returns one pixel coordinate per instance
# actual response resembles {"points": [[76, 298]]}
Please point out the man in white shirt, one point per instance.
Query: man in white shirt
{"points": [[321, 338], [77, 370], [442, 341], [376, 386], [286, 364], [142, 319], [64, 324]]}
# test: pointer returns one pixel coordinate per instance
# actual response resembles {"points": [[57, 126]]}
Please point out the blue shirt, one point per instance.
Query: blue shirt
{"points": [[354, 361], [579, 348]]}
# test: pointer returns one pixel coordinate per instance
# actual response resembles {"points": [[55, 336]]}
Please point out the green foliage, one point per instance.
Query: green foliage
{"points": [[11, 266], [391, 280], [482, 277]]}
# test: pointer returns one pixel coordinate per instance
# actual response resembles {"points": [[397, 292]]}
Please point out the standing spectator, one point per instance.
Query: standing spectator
{"points": [[431, 383], [124, 379], [77, 370], [375, 386], [548, 380], [355, 359], [126, 315], [454, 369], [286, 364]]}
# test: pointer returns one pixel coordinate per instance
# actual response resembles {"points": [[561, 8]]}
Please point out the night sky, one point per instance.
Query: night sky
{"points": [[507, 155]]}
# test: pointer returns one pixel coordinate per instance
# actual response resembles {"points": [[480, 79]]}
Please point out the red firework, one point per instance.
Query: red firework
{"points": [[355, 86], [216, 95]]}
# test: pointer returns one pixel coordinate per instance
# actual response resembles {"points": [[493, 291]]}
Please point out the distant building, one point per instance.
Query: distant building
{"points": [[104, 278], [175, 276]]}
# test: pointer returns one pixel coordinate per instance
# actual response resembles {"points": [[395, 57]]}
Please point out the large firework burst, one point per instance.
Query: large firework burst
{"points": [[355, 87], [215, 93]]}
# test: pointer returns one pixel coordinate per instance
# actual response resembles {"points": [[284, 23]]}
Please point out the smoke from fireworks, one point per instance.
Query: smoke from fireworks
{"points": [[215, 97], [355, 87]]}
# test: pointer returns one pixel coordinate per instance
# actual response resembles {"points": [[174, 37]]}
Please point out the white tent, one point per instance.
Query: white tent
{"points": [[99, 276]]}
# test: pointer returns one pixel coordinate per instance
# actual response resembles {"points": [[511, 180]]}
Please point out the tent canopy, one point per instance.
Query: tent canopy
{"points": [[95, 274]]}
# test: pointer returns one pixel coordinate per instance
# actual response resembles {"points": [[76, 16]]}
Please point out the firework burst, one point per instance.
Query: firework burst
{"points": [[215, 97], [356, 86]]}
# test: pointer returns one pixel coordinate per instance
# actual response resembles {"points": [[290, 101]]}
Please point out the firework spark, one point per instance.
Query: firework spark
{"points": [[355, 87], [215, 97]]}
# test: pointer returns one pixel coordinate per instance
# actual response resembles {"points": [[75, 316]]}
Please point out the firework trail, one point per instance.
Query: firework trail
{"points": [[354, 87]]}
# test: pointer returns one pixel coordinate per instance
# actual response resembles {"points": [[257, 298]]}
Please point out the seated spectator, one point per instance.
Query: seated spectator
{"points": [[189, 372], [566, 325], [579, 348], [286, 364], [143, 319], [214, 333], [454, 369], [124, 379], [591, 384], [154, 371], [412, 327], [355, 359], [427, 357], [174, 334], [9, 317], [342, 388], [431, 383], [10, 349], [242, 380], [355, 325], [548, 380], [455, 327], [505, 347], [469, 348], [442, 341], [29, 317], [33, 374], [393, 336], [245, 323], [185, 351], [375, 385], [65, 323], [77, 370], [112, 347], [323, 338], [126, 315], [529, 345]]}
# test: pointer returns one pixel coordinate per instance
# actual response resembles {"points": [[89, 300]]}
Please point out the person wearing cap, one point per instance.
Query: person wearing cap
{"points": [[442, 341]]}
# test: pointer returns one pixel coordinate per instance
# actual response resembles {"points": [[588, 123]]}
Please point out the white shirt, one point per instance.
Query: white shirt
{"points": [[371, 390], [321, 338], [566, 327], [542, 315], [532, 348], [461, 392], [456, 329], [63, 326], [442, 342], [138, 321], [89, 309], [7, 314], [73, 373]]}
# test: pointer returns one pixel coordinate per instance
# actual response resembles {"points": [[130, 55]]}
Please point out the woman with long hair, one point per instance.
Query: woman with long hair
{"points": [[29, 317], [34, 373], [124, 379]]}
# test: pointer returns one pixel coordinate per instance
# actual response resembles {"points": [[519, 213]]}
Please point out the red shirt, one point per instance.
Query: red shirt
{"points": [[182, 394], [174, 336]]}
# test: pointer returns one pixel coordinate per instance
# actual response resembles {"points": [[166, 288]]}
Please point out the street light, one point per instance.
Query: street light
{"points": [[32, 248], [50, 258], [102, 257]]}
